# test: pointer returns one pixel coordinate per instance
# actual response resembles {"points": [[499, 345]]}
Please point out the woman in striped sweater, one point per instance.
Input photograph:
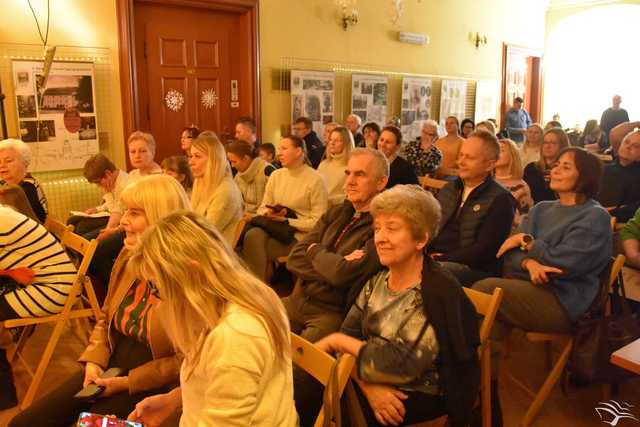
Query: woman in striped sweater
{"points": [[35, 278]]}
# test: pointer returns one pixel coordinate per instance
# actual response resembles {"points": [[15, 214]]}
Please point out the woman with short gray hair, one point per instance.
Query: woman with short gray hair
{"points": [[15, 158], [412, 329]]}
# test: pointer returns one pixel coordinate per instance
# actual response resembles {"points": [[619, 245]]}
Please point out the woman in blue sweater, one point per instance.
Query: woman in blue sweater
{"points": [[552, 264]]}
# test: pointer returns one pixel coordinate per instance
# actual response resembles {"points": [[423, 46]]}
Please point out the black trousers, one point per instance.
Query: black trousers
{"points": [[59, 408]]}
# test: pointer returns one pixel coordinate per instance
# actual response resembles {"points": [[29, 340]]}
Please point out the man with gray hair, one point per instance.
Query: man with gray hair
{"points": [[335, 258], [353, 123]]}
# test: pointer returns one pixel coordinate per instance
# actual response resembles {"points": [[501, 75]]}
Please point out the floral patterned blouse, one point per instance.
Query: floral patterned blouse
{"points": [[424, 162]]}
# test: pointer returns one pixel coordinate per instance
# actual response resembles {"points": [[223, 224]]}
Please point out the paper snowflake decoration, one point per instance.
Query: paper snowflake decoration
{"points": [[209, 98], [174, 100]]}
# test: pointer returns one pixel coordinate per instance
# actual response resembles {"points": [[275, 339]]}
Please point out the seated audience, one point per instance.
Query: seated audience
{"points": [[130, 334], [400, 170], [449, 146], [537, 174], [36, 274], [215, 195], [477, 212], [552, 124], [554, 261], [509, 173], [332, 168], [630, 238], [15, 157], [101, 171], [252, 176], [617, 134], [296, 195], [416, 360], [178, 167], [246, 131], [142, 150], [422, 153], [326, 132], [620, 188], [303, 128], [231, 328], [467, 126], [488, 126], [188, 134], [371, 134], [530, 148], [353, 123], [592, 137], [337, 255], [267, 152]]}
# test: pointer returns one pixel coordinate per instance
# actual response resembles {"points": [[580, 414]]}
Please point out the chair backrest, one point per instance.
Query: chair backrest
{"points": [[616, 267], [239, 229], [486, 305], [55, 227], [613, 223], [81, 246], [318, 364], [437, 184]]}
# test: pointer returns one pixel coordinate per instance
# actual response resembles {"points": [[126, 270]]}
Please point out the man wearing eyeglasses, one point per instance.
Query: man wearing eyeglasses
{"points": [[422, 153]]}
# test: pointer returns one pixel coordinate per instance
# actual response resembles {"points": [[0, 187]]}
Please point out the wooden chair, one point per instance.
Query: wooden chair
{"points": [[55, 227], [566, 342], [318, 364], [486, 305], [432, 184], [78, 244], [239, 229]]}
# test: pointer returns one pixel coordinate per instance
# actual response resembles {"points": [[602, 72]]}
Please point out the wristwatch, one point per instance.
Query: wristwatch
{"points": [[526, 239]]}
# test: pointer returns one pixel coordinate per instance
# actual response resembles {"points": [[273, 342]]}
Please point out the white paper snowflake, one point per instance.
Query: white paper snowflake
{"points": [[209, 98], [174, 100]]}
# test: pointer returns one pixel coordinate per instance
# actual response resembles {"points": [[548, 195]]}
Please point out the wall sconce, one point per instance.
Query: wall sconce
{"points": [[479, 40], [349, 12]]}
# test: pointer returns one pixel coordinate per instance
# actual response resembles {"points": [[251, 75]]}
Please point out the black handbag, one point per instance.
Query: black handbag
{"points": [[598, 334], [279, 230]]}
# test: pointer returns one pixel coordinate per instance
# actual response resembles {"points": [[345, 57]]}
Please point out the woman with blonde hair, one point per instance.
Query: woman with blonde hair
{"points": [[129, 335], [231, 328], [215, 195], [334, 163], [142, 150], [530, 148], [509, 173]]}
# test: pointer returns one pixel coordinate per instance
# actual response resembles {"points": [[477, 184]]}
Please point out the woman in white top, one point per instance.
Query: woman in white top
{"points": [[142, 150], [296, 194], [335, 162], [215, 195], [231, 328], [530, 149]]}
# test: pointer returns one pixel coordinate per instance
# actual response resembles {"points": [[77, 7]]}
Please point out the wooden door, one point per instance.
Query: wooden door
{"points": [[185, 69], [521, 76]]}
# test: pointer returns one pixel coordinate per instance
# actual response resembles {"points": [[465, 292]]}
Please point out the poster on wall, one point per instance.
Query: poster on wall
{"points": [[59, 123], [452, 100], [486, 100], [369, 98], [312, 95], [416, 105]]}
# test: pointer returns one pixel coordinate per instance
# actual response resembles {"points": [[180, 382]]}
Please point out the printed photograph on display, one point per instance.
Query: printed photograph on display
{"points": [[486, 100], [369, 97], [58, 120], [453, 95], [312, 96], [416, 105]]}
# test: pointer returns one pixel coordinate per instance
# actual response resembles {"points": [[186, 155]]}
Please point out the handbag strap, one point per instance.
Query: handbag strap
{"points": [[331, 399]]}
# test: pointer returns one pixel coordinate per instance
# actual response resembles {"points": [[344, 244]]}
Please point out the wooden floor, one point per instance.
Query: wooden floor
{"points": [[526, 363]]}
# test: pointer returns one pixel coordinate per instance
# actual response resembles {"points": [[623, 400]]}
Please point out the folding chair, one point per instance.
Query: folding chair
{"points": [[566, 341], [56, 228], [432, 184], [81, 282], [487, 306], [318, 364]]}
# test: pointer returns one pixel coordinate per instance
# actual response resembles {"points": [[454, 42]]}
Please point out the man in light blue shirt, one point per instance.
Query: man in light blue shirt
{"points": [[518, 120]]}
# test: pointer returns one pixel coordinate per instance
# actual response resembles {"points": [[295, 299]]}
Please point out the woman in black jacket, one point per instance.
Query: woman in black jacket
{"points": [[537, 174], [412, 328]]}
